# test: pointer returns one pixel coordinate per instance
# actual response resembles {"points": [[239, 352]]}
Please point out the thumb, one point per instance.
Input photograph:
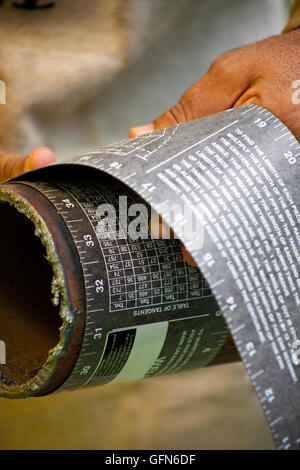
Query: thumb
{"points": [[12, 165], [41, 156], [216, 91]]}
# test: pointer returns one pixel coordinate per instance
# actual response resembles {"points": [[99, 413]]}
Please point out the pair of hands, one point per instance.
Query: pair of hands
{"points": [[263, 73]]}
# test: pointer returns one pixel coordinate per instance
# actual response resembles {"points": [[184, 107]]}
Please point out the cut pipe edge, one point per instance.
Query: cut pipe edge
{"points": [[59, 297], [68, 293]]}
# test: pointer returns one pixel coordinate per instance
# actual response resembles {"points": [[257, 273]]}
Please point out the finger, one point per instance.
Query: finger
{"points": [[141, 130], [273, 99], [12, 165], [251, 96], [9, 161], [40, 157]]}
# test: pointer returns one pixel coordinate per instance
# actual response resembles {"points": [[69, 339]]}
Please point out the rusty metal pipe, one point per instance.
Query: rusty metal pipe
{"points": [[42, 296]]}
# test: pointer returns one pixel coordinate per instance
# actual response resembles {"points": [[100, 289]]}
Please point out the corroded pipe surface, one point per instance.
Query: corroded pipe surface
{"points": [[42, 296]]}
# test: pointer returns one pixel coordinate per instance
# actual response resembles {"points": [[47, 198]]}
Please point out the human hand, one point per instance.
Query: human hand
{"points": [[261, 73], [12, 165]]}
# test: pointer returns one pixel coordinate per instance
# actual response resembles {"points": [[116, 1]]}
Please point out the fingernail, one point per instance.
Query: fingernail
{"points": [[140, 130]]}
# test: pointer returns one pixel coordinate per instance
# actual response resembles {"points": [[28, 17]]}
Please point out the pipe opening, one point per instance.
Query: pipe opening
{"points": [[29, 321]]}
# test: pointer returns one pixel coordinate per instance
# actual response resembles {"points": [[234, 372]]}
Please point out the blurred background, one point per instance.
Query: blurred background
{"points": [[213, 408]]}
